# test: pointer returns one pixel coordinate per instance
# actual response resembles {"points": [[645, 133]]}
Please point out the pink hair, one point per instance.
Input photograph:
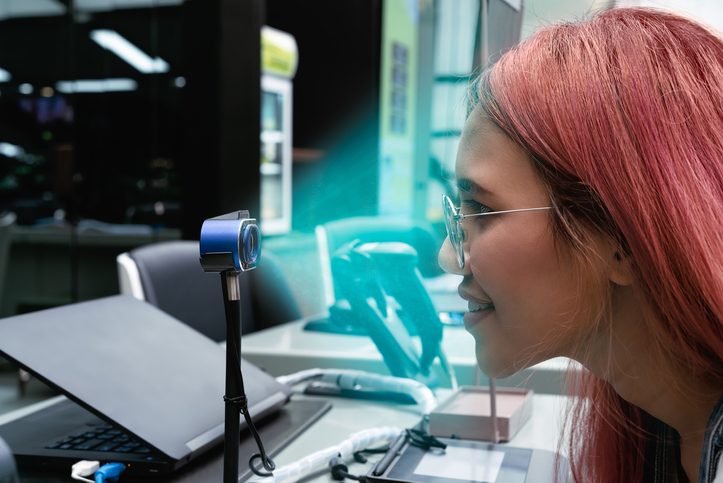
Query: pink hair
{"points": [[623, 117]]}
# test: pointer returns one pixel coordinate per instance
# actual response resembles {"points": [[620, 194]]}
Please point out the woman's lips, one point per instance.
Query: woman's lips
{"points": [[473, 318], [474, 306], [478, 308]]}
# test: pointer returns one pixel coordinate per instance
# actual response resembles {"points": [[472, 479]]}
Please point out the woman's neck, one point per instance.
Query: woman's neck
{"points": [[627, 361]]}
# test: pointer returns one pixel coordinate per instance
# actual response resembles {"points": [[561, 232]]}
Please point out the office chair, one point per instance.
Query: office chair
{"points": [[169, 276], [333, 235]]}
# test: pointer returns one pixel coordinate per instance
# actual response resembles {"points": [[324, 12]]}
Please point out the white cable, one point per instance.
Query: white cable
{"points": [[84, 468], [350, 379], [301, 376], [358, 441]]}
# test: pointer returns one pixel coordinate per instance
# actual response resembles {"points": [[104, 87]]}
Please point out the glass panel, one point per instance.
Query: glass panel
{"points": [[90, 133]]}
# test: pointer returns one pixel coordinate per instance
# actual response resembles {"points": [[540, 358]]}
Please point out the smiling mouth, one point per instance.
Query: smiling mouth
{"points": [[474, 307]]}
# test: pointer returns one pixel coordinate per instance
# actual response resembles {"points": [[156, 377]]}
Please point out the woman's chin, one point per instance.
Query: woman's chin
{"points": [[494, 368], [499, 367]]}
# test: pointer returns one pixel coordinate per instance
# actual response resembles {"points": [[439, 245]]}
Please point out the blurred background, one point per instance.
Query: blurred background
{"points": [[128, 122]]}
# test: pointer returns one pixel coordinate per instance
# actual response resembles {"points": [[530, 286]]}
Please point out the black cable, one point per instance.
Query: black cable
{"points": [[242, 403], [424, 440], [359, 455], [340, 471], [416, 437]]}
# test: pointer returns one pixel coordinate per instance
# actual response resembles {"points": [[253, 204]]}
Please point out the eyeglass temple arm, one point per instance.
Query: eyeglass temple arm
{"points": [[461, 216]]}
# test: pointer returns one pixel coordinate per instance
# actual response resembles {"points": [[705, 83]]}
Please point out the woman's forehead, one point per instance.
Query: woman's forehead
{"points": [[485, 146], [489, 159]]}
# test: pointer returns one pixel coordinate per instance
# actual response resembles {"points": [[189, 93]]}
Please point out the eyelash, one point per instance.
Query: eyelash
{"points": [[473, 206]]}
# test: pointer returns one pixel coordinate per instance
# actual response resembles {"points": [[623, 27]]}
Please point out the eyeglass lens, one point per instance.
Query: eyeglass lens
{"points": [[453, 229]]}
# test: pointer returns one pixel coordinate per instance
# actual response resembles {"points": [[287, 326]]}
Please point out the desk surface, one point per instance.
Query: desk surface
{"points": [[540, 432], [289, 348]]}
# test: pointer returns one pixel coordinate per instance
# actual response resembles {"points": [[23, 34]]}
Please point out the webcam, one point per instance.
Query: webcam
{"points": [[230, 242]]}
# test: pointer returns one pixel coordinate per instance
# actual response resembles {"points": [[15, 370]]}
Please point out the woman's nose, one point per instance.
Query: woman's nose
{"points": [[447, 259]]}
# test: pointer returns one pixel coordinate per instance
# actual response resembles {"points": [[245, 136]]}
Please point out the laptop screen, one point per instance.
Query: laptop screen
{"points": [[133, 364]]}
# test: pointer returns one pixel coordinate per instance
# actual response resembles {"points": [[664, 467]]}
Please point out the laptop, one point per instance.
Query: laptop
{"points": [[142, 387]]}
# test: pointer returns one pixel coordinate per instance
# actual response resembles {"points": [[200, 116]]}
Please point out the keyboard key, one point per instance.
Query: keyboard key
{"points": [[105, 447], [103, 437], [92, 443]]}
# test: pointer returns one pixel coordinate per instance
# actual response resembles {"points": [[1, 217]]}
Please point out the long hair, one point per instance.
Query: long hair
{"points": [[622, 116]]}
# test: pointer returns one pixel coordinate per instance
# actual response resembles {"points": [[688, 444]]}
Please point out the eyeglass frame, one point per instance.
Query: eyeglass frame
{"points": [[452, 214]]}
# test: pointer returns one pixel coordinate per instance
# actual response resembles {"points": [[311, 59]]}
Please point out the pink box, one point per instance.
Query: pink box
{"points": [[466, 413]]}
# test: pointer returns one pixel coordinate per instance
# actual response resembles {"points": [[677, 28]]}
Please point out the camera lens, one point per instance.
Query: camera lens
{"points": [[251, 244]]}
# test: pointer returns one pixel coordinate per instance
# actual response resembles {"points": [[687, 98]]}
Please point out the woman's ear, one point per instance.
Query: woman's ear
{"points": [[620, 270]]}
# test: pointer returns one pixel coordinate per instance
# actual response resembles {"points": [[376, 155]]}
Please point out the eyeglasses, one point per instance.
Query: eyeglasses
{"points": [[453, 222]]}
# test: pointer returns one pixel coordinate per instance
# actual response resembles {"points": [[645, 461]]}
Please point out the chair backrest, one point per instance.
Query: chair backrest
{"points": [[7, 222], [169, 276], [333, 235]]}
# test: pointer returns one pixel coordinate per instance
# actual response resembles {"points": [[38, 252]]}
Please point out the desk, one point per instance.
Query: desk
{"points": [[540, 432], [288, 348]]}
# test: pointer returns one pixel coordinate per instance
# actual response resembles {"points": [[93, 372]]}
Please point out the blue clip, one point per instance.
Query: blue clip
{"points": [[109, 472]]}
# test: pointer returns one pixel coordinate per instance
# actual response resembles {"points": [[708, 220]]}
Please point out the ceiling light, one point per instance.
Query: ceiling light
{"points": [[31, 8], [96, 85], [26, 89], [11, 150], [5, 75], [113, 41]]}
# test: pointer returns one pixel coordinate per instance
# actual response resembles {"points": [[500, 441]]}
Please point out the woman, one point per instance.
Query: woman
{"points": [[599, 148]]}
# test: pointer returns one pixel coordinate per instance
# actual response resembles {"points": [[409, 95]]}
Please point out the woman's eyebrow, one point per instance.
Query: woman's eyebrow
{"points": [[468, 186]]}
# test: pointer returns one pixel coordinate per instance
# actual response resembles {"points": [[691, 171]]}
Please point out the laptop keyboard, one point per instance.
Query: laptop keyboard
{"points": [[105, 438]]}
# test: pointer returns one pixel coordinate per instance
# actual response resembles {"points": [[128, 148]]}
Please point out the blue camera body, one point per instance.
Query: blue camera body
{"points": [[230, 242]]}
